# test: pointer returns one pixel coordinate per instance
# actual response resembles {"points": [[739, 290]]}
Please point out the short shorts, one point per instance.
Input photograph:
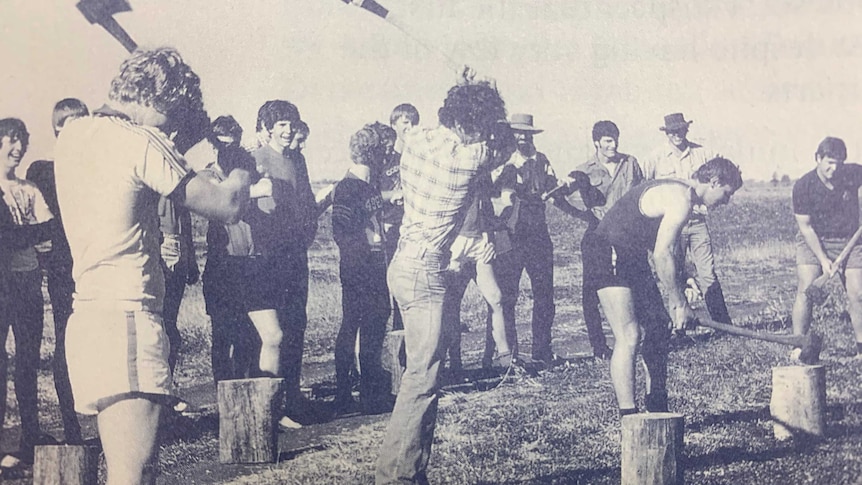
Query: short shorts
{"points": [[468, 249], [237, 284], [114, 354], [606, 265], [833, 247]]}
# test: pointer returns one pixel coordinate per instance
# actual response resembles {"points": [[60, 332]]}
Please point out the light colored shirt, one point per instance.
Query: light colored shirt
{"points": [[627, 173], [110, 175], [27, 206], [665, 163], [436, 173]]}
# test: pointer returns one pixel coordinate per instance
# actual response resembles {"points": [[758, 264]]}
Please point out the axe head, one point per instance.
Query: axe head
{"points": [[812, 343], [95, 11]]}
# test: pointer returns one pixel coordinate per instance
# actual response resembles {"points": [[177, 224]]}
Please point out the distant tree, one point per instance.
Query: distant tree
{"points": [[785, 180], [774, 180]]}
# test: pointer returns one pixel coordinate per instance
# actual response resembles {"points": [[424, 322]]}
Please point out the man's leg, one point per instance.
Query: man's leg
{"points": [[175, 285], [618, 304], [590, 304], [507, 270], [649, 305], [419, 287], [352, 313], [128, 431], [374, 387], [61, 286], [700, 248], [294, 322], [540, 267], [456, 286], [27, 324], [801, 316]]}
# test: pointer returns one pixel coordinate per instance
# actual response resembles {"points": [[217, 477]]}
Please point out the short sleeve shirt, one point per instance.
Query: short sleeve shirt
{"points": [[110, 175], [834, 212], [27, 206]]}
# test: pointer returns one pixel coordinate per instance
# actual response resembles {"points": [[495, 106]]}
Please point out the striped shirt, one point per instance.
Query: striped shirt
{"points": [[110, 174], [437, 170]]}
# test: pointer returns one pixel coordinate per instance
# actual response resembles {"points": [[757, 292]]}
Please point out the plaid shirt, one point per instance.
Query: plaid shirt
{"points": [[437, 170]]}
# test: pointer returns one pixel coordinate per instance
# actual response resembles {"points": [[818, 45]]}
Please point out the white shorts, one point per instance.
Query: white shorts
{"points": [[114, 355], [468, 249]]}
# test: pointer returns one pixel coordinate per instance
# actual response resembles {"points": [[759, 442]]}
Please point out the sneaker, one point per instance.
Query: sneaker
{"points": [[285, 423]]}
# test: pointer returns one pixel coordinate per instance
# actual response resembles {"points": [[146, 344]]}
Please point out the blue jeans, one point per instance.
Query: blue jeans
{"points": [[418, 280]]}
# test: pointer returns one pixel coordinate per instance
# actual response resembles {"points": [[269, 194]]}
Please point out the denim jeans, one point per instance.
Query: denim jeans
{"points": [[695, 241], [418, 281]]}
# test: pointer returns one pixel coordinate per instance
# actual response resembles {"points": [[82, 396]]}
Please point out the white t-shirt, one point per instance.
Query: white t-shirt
{"points": [[27, 206], [110, 175]]}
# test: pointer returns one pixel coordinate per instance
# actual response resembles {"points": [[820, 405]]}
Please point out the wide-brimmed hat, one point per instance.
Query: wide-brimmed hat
{"points": [[675, 122], [523, 122]]}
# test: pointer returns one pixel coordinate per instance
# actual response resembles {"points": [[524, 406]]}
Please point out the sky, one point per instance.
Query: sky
{"points": [[763, 80]]}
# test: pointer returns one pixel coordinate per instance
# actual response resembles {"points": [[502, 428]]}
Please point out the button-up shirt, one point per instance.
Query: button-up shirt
{"points": [[666, 163], [437, 169], [612, 185]]}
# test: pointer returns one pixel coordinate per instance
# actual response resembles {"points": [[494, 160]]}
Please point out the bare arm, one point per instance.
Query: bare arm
{"points": [[677, 210], [813, 242], [224, 201]]}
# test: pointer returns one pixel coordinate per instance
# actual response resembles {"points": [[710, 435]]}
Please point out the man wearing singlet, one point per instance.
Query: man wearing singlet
{"points": [[650, 217]]}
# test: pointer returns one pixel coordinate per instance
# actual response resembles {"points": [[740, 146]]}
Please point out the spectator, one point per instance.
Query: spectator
{"points": [[57, 266], [25, 313], [358, 231]]}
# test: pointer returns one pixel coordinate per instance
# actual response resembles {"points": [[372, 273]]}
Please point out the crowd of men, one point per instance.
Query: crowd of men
{"points": [[420, 213]]}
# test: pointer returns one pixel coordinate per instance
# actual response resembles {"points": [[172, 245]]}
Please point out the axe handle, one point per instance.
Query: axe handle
{"points": [[793, 340], [822, 279], [118, 32]]}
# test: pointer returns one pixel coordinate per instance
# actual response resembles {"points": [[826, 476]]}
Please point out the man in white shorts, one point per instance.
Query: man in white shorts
{"points": [[111, 170]]}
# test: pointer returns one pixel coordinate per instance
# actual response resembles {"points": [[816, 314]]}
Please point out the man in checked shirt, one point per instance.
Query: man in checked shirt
{"points": [[438, 166]]}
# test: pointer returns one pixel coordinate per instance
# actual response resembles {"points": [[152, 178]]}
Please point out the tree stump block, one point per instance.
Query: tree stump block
{"points": [[652, 445], [65, 465], [394, 358], [798, 403], [248, 419]]}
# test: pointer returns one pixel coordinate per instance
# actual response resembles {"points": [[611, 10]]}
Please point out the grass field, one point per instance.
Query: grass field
{"points": [[562, 427]]}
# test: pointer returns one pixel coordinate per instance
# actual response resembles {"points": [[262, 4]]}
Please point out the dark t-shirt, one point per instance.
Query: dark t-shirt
{"points": [[41, 173], [356, 210], [390, 179], [834, 212]]}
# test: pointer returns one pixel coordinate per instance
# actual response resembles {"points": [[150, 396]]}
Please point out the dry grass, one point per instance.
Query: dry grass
{"points": [[562, 427]]}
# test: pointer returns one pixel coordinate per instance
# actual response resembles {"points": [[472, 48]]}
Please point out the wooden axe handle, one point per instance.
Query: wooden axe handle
{"points": [[822, 279], [792, 340]]}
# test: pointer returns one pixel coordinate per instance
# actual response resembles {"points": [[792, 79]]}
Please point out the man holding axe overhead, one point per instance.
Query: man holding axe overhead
{"points": [[826, 206], [650, 217]]}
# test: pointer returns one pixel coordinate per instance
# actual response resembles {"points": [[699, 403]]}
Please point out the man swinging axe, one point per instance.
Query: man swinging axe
{"points": [[650, 217], [826, 206]]}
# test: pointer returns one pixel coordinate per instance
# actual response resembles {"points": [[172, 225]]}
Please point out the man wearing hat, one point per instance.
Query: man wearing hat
{"points": [[530, 173], [679, 158]]}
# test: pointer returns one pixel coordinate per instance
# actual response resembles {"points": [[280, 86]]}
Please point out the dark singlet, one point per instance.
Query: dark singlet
{"points": [[626, 226]]}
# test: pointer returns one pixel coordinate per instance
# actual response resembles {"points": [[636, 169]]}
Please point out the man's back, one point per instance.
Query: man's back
{"points": [[127, 168]]}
